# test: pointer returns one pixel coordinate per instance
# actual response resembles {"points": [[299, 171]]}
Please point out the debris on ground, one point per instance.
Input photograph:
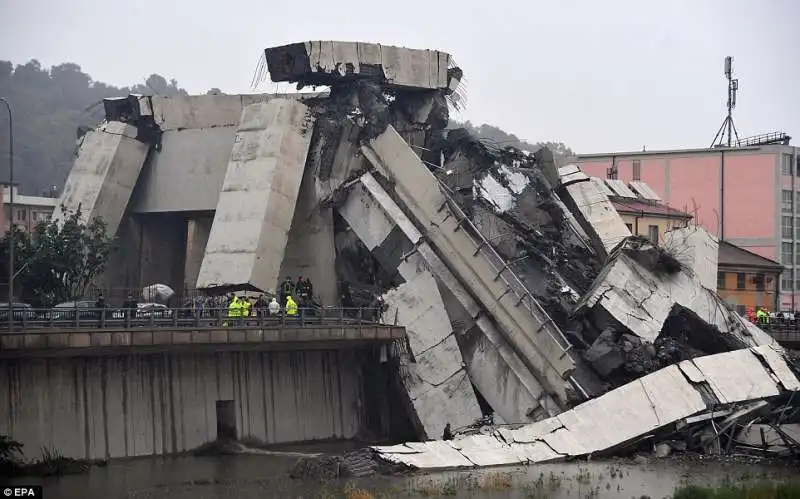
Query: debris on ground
{"points": [[354, 464]]}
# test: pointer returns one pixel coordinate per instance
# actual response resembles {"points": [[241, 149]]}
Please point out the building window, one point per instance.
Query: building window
{"points": [[786, 164], [797, 228], [786, 280], [786, 201], [637, 169], [740, 309], [759, 281], [740, 281], [720, 280], [786, 253], [797, 166], [21, 214], [652, 233], [630, 227], [786, 227]]}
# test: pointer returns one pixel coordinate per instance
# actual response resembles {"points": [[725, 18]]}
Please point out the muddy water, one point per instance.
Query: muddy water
{"points": [[264, 476]]}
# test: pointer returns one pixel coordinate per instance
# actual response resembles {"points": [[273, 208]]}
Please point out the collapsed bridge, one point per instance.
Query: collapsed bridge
{"points": [[523, 313]]}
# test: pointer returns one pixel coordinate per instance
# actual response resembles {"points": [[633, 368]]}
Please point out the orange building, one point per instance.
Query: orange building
{"points": [[747, 280]]}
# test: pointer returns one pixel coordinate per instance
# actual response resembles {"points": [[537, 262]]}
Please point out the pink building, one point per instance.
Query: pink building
{"points": [[748, 196]]}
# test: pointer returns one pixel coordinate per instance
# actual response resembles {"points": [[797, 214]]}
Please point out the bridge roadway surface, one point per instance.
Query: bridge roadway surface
{"points": [[40, 333]]}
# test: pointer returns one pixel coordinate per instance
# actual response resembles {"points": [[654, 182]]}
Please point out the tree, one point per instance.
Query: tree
{"points": [[59, 261]]}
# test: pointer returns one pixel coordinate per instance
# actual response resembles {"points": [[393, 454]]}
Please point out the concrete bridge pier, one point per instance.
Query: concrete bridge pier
{"points": [[151, 248], [198, 230]]}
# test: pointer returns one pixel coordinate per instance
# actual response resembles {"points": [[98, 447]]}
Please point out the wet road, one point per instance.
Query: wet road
{"points": [[260, 476]]}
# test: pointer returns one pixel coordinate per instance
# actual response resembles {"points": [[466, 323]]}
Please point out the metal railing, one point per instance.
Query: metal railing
{"points": [[33, 320], [780, 326], [504, 273], [765, 139]]}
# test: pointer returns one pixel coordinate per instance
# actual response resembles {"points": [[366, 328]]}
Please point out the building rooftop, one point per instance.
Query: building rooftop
{"points": [[662, 152], [20, 200], [641, 207], [734, 256]]}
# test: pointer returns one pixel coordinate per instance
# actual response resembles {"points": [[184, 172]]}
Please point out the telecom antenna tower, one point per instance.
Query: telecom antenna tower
{"points": [[728, 128]]}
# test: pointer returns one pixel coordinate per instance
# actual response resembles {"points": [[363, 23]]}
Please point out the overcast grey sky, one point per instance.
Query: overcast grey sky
{"points": [[600, 76]]}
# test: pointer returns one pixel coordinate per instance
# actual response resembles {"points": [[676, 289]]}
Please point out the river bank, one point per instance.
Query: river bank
{"points": [[246, 476]]}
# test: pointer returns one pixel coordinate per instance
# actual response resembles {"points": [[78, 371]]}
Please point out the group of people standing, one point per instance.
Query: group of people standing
{"points": [[758, 316], [294, 294], [294, 297]]}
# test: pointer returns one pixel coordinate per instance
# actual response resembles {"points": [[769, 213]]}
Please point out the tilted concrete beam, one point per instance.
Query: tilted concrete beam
{"points": [[105, 172], [495, 369], [324, 62], [523, 322], [435, 380], [257, 203]]}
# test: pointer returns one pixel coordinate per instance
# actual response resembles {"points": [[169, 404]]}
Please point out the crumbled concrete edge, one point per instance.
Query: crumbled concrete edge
{"points": [[645, 406]]}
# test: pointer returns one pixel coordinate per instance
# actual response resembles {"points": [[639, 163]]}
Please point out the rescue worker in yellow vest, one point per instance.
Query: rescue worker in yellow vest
{"points": [[245, 306], [234, 308], [762, 317], [291, 306]]}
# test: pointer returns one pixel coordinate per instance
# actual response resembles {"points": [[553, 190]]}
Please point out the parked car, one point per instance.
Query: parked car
{"points": [[21, 311], [68, 311]]}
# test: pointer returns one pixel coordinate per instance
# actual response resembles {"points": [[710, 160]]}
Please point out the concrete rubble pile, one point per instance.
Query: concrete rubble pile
{"points": [[575, 336]]}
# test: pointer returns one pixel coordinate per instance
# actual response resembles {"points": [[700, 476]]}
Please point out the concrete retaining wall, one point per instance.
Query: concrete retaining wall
{"points": [[156, 404]]}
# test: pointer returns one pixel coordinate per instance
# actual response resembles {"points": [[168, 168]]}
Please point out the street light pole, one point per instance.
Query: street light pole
{"points": [[11, 241]]}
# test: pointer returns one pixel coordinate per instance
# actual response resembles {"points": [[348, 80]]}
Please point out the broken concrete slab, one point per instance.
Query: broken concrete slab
{"points": [[496, 370], [104, 174], [697, 250], [436, 381], [256, 206], [522, 320], [640, 408], [324, 62], [641, 296], [521, 397], [592, 209]]}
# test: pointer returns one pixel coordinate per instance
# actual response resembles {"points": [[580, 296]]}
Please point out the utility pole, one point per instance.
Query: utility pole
{"points": [[11, 238]]}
